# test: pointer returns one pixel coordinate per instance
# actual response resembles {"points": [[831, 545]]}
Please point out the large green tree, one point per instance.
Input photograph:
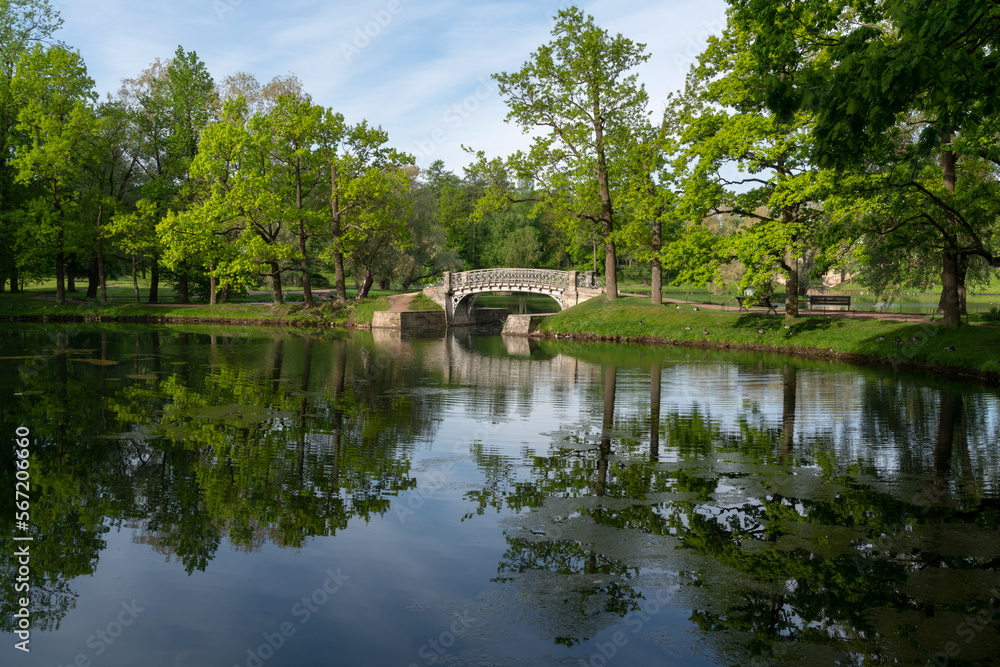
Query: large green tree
{"points": [[173, 102], [649, 200], [745, 160], [367, 195], [237, 231], [109, 186], [580, 95], [294, 124], [55, 97], [893, 83], [23, 24]]}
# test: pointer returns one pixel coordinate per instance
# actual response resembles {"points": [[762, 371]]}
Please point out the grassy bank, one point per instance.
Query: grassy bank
{"points": [[981, 298], [422, 302], [976, 348], [25, 307]]}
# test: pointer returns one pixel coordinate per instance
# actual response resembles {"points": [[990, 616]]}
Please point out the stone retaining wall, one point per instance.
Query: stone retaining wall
{"points": [[409, 319], [522, 325]]}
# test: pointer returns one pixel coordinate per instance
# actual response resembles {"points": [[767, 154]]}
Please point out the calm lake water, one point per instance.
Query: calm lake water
{"points": [[248, 498]]}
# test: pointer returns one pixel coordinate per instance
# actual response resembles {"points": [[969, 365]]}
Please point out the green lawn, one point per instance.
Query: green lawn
{"points": [[122, 290], [976, 348], [922, 303], [251, 308], [422, 302], [292, 312]]}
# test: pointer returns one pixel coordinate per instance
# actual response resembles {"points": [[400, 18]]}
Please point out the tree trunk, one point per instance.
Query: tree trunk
{"points": [[92, 280], [279, 298], [657, 278], [60, 270], [212, 287], [365, 286], [963, 271], [385, 283], [135, 276], [788, 215], [610, 270], [182, 286], [338, 256], [71, 274], [154, 280], [306, 287], [340, 283], [792, 286], [14, 286], [604, 192], [101, 281], [950, 302]]}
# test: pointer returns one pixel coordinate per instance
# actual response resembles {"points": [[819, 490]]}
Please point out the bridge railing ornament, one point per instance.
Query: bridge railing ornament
{"points": [[488, 277], [583, 280]]}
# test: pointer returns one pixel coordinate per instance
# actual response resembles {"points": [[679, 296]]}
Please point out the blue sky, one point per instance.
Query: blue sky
{"points": [[419, 69]]}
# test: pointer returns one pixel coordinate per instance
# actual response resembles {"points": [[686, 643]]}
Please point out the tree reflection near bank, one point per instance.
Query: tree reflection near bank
{"points": [[210, 439]]}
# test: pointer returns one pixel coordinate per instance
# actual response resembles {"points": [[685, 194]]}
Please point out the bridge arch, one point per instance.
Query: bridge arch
{"points": [[457, 292]]}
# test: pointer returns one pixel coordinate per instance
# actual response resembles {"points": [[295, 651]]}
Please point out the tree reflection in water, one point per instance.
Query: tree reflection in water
{"points": [[792, 513], [218, 438], [785, 549]]}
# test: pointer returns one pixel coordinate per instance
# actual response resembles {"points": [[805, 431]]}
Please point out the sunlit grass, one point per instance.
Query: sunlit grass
{"points": [[975, 347], [422, 302]]}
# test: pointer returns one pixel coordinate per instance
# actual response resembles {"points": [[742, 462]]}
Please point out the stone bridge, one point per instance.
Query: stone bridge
{"points": [[458, 292]]}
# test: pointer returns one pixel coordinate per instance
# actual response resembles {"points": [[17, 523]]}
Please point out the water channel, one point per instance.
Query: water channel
{"points": [[242, 497]]}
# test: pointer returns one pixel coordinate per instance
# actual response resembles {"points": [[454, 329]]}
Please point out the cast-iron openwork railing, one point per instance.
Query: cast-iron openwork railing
{"points": [[584, 280], [467, 280], [490, 277]]}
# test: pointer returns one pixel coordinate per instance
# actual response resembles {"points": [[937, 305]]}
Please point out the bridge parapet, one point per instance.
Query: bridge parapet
{"points": [[487, 277], [466, 280], [458, 291]]}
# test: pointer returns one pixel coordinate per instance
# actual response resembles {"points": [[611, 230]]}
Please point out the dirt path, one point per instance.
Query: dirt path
{"points": [[401, 302]]}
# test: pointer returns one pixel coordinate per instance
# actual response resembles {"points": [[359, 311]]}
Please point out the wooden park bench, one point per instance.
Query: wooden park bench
{"points": [[747, 301], [827, 300]]}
